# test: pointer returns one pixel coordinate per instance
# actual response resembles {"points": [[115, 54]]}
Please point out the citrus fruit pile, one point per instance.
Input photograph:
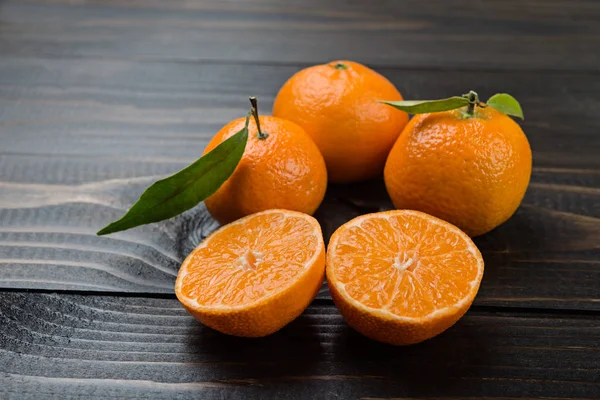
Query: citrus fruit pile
{"points": [[459, 168]]}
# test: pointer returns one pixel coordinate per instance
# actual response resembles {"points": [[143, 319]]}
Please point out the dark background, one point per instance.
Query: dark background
{"points": [[99, 98]]}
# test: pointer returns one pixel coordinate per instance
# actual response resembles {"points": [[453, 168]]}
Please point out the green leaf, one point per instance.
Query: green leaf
{"points": [[180, 192], [506, 104], [429, 106]]}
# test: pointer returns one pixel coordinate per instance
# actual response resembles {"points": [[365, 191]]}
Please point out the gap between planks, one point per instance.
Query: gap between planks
{"points": [[300, 65], [485, 309]]}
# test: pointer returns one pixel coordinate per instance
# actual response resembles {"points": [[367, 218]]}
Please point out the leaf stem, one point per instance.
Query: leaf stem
{"points": [[473, 101], [261, 134]]}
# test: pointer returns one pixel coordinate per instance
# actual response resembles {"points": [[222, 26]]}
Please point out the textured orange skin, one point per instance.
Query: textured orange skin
{"points": [[384, 328], [471, 172], [269, 315], [339, 109], [285, 170]]}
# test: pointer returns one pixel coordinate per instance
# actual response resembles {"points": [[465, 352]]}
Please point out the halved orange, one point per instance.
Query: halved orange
{"points": [[402, 276], [252, 277]]}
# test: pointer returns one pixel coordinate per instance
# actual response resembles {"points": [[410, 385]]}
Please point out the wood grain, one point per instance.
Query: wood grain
{"points": [[63, 345], [167, 112], [511, 34], [51, 244]]}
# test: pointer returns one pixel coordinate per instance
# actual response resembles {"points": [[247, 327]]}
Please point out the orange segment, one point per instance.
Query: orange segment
{"points": [[402, 276], [252, 277]]}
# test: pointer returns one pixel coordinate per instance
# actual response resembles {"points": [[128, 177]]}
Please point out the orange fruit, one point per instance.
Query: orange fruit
{"points": [[337, 104], [284, 170], [472, 172], [252, 277], [402, 276]]}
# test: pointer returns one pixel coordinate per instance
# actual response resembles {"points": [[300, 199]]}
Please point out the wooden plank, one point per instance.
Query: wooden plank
{"points": [[73, 170], [168, 111], [47, 239], [512, 34], [63, 345]]}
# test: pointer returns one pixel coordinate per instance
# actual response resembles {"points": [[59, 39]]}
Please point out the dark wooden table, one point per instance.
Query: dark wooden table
{"points": [[97, 99]]}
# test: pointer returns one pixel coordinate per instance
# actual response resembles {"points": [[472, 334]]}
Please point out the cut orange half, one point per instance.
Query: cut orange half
{"points": [[252, 277], [402, 276]]}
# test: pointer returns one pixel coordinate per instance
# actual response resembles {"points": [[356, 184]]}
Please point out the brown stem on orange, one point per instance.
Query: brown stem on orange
{"points": [[261, 134], [473, 101]]}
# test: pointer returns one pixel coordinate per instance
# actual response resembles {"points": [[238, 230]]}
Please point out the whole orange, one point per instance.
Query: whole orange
{"points": [[470, 171], [284, 170], [337, 104]]}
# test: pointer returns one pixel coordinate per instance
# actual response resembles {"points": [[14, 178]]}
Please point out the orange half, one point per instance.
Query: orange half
{"points": [[402, 276], [252, 277]]}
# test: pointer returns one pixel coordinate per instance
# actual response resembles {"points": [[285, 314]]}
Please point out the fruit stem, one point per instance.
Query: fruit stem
{"points": [[340, 66], [473, 101], [260, 134]]}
